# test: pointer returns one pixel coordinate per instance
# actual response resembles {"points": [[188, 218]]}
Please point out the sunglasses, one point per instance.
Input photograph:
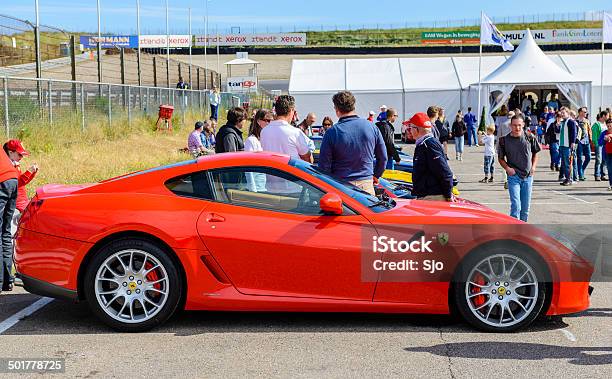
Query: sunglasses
{"points": [[267, 120], [326, 124]]}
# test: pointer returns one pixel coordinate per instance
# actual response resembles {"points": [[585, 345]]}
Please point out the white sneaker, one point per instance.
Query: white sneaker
{"points": [[609, 188]]}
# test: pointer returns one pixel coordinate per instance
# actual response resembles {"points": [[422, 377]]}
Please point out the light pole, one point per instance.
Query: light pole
{"points": [[190, 43], [38, 62], [206, 37], [167, 45], [99, 49], [138, 32]]}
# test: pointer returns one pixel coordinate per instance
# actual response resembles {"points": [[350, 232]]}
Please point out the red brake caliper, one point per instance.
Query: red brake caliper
{"points": [[152, 277], [478, 300]]}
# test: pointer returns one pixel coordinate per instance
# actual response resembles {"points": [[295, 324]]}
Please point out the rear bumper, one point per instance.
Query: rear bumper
{"points": [[42, 288]]}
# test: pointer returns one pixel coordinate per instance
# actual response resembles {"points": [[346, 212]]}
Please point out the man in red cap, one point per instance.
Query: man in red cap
{"points": [[432, 178], [15, 151], [8, 199]]}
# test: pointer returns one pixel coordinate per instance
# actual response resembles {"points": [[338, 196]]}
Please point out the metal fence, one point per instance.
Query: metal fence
{"points": [[27, 102], [61, 58]]}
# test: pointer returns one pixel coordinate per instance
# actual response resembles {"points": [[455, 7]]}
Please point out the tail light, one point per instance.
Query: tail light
{"points": [[33, 206]]}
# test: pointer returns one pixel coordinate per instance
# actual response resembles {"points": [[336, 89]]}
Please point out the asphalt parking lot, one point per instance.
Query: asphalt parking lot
{"points": [[203, 344]]}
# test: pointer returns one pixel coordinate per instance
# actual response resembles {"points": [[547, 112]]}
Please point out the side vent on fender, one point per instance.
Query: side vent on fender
{"points": [[214, 269]]}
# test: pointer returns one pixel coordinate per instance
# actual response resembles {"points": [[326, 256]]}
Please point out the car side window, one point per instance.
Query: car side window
{"points": [[195, 185], [265, 188]]}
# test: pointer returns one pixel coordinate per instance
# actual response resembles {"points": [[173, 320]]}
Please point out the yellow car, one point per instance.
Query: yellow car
{"points": [[406, 177]]}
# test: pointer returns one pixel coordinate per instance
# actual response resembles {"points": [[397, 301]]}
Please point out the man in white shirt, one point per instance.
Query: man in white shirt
{"points": [[214, 99], [280, 137]]}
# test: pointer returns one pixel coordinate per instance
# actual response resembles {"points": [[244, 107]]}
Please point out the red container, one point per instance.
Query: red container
{"points": [[165, 111]]}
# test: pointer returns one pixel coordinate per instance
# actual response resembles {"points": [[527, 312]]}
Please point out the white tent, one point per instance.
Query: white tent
{"points": [[529, 66], [373, 81], [429, 81], [412, 84]]}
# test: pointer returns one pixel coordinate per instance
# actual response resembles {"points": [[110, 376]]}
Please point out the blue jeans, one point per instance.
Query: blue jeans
{"points": [[471, 130], [565, 162], [555, 157], [583, 157], [390, 164], [520, 196], [459, 142], [609, 164], [568, 172], [489, 165], [600, 162], [8, 200], [574, 166], [214, 112]]}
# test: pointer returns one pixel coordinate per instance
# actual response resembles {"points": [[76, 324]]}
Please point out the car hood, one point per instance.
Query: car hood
{"points": [[437, 212]]}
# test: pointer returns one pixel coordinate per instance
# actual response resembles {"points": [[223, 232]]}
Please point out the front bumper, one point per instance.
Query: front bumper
{"points": [[42, 288]]}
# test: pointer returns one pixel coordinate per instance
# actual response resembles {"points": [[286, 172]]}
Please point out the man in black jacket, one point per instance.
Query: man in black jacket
{"points": [[432, 178], [229, 137], [388, 132]]}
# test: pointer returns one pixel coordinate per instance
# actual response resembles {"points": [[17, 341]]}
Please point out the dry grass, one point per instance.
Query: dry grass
{"points": [[67, 155]]}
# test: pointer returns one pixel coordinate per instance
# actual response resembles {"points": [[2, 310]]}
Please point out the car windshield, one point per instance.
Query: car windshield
{"points": [[355, 192]]}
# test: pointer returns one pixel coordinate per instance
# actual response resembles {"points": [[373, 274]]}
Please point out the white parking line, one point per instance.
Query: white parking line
{"points": [[532, 203], [568, 335], [25, 312], [574, 197]]}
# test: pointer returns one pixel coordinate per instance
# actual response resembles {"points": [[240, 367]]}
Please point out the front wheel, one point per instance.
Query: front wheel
{"points": [[132, 285], [500, 290]]}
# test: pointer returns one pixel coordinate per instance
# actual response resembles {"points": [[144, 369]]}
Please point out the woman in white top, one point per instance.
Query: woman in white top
{"points": [[257, 181]]}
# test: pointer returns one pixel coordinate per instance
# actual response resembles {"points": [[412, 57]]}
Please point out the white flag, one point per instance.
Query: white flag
{"points": [[607, 28], [490, 35]]}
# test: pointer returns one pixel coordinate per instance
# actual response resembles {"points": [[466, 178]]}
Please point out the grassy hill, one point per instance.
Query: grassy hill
{"points": [[412, 36]]}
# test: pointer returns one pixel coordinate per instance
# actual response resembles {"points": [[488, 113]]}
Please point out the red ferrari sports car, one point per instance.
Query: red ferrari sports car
{"points": [[263, 232]]}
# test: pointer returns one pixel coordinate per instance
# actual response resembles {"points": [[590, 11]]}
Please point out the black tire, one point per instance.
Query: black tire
{"points": [[174, 283], [461, 277]]}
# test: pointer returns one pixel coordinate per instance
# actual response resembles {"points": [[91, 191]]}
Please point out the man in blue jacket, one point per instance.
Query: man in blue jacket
{"points": [[350, 148], [470, 122], [567, 145], [432, 178]]}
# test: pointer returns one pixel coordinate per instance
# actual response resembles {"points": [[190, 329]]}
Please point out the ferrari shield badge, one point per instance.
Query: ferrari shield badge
{"points": [[443, 238]]}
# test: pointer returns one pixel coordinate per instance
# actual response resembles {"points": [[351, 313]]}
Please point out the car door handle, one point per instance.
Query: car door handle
{"points": [[214, 217]]}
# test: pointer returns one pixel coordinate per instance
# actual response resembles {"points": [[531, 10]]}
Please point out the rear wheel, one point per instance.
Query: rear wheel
{"points": [[132, 285], [500, 290]]}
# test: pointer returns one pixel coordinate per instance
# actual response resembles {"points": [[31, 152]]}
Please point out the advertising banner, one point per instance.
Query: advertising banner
{"points": [[106, 42], [242, 84], [450, 38], [159, 41], [283, 39], [543, 36], [557, 35]]}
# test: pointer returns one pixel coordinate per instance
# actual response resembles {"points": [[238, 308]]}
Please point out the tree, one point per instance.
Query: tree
{"points": [[482, 125]]}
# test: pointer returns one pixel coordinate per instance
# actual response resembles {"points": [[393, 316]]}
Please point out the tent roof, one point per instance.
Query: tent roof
{"points": [[317, 75], [429, 74], [467, 68], [373, 75], [422, 74], [529, 65], [239, 61], [587, 67]]}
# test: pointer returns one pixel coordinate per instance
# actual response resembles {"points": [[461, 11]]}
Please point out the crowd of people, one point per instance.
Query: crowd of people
{"points": [[358, 150], [13, 201]]}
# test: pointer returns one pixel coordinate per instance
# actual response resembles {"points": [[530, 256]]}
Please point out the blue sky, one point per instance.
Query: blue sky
{"points": [[119, 16]]}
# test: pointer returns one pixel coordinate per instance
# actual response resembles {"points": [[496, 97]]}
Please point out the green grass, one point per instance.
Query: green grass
{"points": [[412, 36]]}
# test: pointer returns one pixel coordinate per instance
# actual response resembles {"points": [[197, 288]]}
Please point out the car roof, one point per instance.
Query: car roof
{"points": [[243, 157]]}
